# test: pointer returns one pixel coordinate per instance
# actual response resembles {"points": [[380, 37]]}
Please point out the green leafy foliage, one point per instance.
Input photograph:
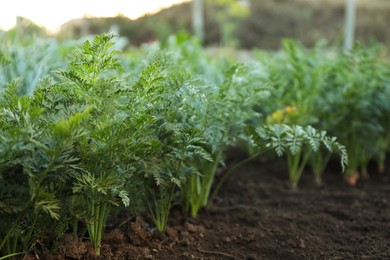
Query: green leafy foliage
{"points": [[343, 94], [167, 91], [298, 144], [3, 58], [222, 118], [114, 132], [150, 127], [29, 60], [357, 81], [36, 162]]}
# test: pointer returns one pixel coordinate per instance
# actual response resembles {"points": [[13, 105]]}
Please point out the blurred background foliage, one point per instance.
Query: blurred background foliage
{"points": [[263, 25]]}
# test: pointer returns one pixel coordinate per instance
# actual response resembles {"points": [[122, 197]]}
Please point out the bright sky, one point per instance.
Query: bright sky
{"points": [[53, 13]]}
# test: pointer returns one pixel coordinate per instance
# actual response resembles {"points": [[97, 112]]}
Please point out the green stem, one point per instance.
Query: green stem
{"points": [[319, 162], [364, 167], [291, 163], [15, 245], [148, 191], [12, 246], [7, 237], [209, 180], [353, 155], [296, 165], [31, 229], [229, 173], [381, 162], [100, 211], [12, 255], [201, 187], [162, 206], [303, 163]]}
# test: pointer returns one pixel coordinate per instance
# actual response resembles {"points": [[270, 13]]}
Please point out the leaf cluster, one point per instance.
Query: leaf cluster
{"points": [[342, 93], [298, 143]]}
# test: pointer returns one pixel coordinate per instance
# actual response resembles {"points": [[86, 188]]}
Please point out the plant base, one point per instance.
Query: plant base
{"points": [[352, 179]]}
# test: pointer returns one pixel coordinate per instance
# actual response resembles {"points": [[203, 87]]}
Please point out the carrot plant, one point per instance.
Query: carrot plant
{"points": [[298, 144], [222, 118], [296, 76], [217, 104], [299, 78], [36, 162], [168, 90], [352, 109], [340, 93], [382, 143], [179, 148], [160, 178], [119, 131], [380, 75]]}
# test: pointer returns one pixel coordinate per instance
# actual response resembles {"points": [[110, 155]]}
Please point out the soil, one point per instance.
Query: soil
{"points": [[257, 215]]}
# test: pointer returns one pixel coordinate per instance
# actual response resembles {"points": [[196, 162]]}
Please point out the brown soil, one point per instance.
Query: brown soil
{"points": [[257, 216]]}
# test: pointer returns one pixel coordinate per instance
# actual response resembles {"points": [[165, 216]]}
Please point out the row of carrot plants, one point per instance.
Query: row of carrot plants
{"points": [[343, 93], [148, 129]]}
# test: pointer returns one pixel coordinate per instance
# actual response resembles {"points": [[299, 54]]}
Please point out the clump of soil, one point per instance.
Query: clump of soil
{"points": [[258, 216]]}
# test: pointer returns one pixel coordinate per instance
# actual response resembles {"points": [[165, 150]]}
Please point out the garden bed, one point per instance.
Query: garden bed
{"points": [[257, 216], [121, 156]]}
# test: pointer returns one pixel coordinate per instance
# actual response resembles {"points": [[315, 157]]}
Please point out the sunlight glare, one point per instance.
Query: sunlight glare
{"points": [[52, 14]]}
